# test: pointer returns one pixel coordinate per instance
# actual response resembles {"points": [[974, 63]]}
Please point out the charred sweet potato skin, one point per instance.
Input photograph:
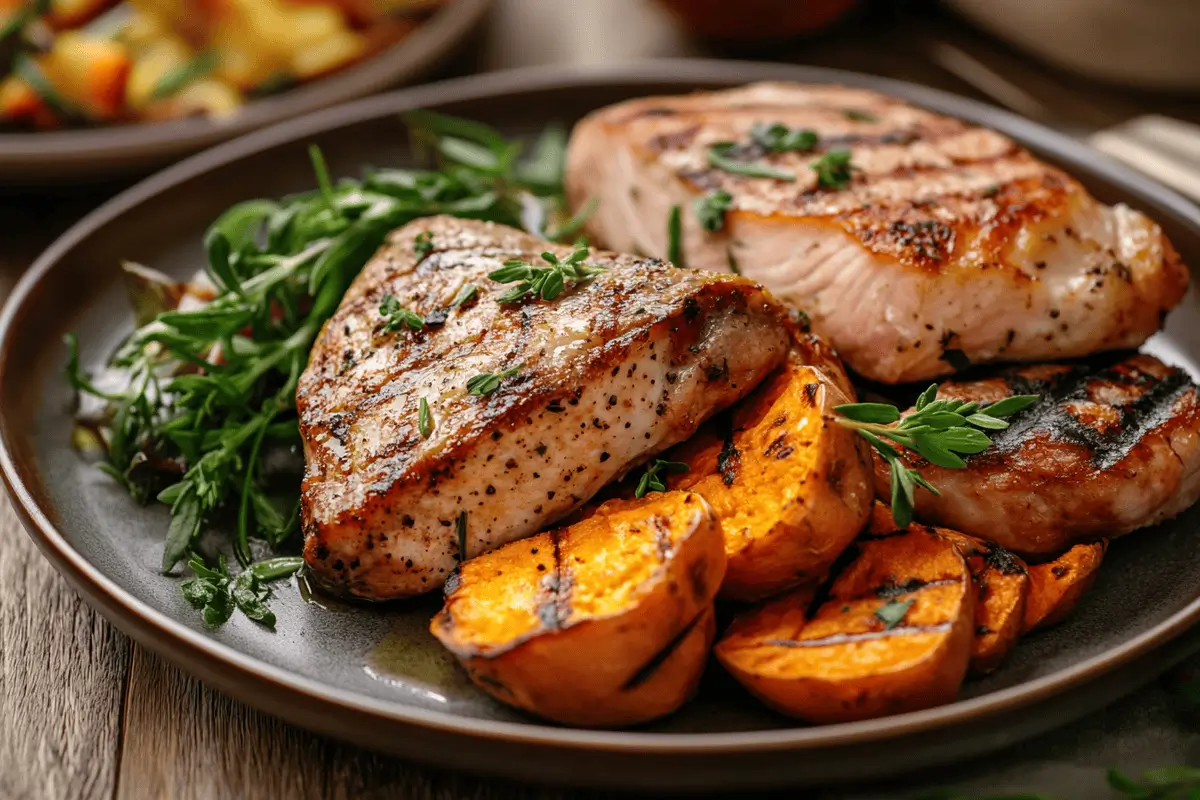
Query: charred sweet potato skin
{"points": [[845, 661], [791, 488], [1056, 587], [1002, 585], [606, 623]]}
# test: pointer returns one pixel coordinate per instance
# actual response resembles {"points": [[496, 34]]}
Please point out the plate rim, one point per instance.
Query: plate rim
{"points": [[228, 667], [406, 59]]}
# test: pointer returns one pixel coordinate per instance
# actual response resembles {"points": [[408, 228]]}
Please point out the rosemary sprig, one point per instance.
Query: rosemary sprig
{"points": [[652, 479], [546, 283], [940, 431]]}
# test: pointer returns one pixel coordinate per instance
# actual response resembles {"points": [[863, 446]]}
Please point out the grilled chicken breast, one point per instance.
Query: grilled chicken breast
{"points": [[1110, 448], [586, 386], [948, 245]]}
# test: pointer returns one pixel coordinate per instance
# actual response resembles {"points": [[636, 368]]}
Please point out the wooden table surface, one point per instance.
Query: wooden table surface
{"points": [[84, 712]]}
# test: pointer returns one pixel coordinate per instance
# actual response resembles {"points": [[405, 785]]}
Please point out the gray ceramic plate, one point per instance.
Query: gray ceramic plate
{"points": [[62, 157], [374, 675]]}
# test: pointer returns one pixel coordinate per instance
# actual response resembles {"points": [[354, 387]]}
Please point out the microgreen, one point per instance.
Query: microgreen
{"points": [[892, 613], [465, 295], [940, 431], [652, 479], [423, 244], [710, 209]]}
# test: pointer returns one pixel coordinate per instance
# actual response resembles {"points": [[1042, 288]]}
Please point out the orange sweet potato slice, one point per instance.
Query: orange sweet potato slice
{"points": [[1056, 587], [894, 634], [607, 622], [791, 489]]}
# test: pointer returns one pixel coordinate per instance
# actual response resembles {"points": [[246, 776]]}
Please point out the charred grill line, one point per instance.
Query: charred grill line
{"points": [[866, 636], [646, 672], [555, 608], [892, 590], [1050, 414]]}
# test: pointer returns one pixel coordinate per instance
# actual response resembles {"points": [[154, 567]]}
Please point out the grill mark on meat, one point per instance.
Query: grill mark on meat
{"points": [[1051, 415], [646, 672], [866, 636]]}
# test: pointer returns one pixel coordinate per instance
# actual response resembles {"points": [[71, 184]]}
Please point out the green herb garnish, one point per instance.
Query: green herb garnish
{"points": [[207, 393], [779, 138], [834, 170], [710, 209], [489, 382], [546, 283], [423, 244], [175, 80], [937, 430], [424, 419], [722, 156], [892, 613], [215, 594], [675, 236], [399, 317], [859, 115], [465, 295], [652, 478]]}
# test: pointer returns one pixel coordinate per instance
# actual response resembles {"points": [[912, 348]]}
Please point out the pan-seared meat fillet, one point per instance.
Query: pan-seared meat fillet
{"points": [[1110, 448], [949, 245], [589, 385]]}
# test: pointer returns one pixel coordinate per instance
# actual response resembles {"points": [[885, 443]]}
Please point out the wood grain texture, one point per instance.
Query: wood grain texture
{"points": [[184, 740], [62, 671]]}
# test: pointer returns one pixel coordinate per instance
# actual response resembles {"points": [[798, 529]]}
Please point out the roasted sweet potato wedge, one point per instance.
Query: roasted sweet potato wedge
{"points": [[893, 634], [1056, 586], [1002, 583], [790, 489], [607, 622]]}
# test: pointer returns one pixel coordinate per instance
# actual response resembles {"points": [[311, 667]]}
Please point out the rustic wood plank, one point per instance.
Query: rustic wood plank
{"points": [[62, 671], [183, 740]]}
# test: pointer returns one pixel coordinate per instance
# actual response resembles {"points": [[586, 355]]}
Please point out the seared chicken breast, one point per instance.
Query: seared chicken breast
{"points": [[1109, 448], [569, 394], [938, 244]]}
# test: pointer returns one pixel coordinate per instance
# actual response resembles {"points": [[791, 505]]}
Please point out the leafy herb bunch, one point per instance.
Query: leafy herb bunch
{"points": [[208, 391]]}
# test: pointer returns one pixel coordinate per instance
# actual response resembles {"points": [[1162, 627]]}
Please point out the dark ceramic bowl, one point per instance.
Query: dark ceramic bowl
{"points": [[71, 156], [374, 675]]}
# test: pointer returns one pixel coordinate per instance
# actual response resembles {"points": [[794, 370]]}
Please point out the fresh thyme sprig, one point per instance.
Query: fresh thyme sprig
{"points": [[546, 283], [207, 392], [940, 431], [652, 479]]}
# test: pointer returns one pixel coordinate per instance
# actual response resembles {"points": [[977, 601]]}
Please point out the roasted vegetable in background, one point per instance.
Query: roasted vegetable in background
{"points": [[789, 488], [1056, 587], [67, 62], [605, 623], [893, 633]]}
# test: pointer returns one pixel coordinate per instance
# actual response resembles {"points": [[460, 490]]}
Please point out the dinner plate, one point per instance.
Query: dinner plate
{"points": [[373, 674], [70, 156]]}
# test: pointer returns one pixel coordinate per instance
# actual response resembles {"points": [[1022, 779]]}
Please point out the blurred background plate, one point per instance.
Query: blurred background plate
{"points": [[73, 156]]}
